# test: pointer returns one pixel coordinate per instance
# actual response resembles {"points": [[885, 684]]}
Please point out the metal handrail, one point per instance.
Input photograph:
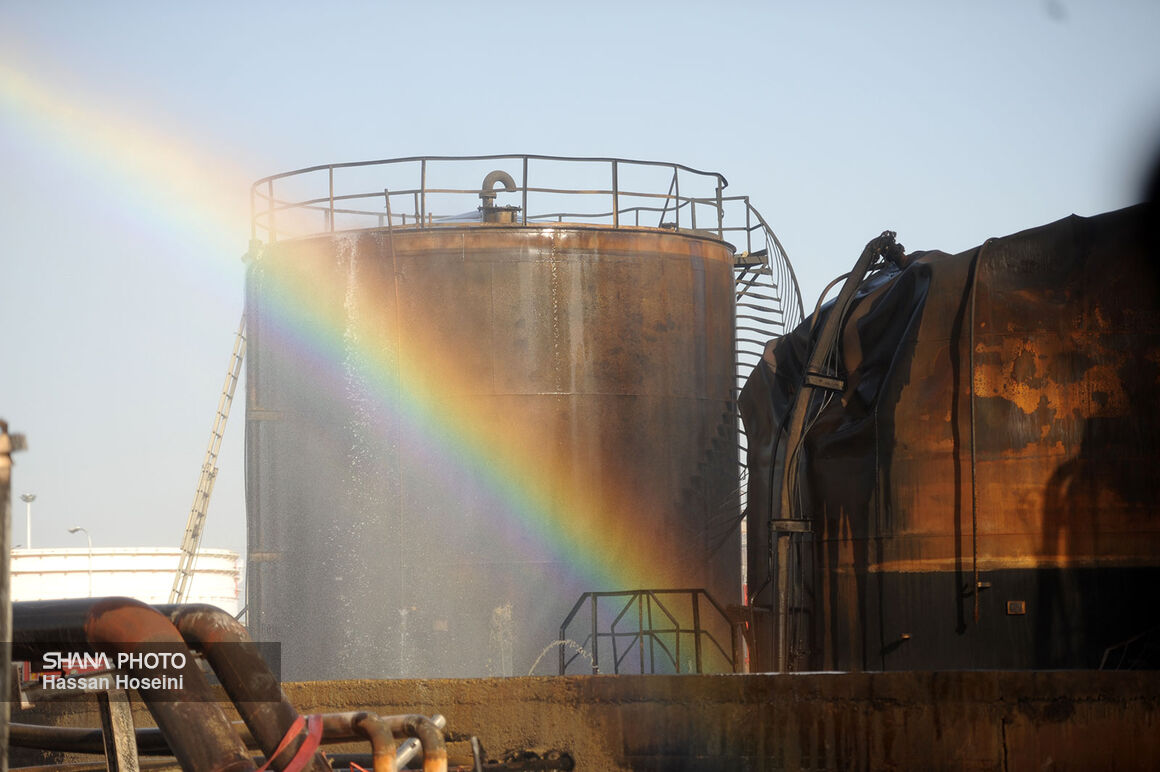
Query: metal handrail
{"points": [[731, 217], [647, 630], [263, 191]]}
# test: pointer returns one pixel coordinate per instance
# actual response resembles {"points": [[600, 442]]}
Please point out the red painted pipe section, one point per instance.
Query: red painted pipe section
{"points": [[194, 724], [246, 677]]}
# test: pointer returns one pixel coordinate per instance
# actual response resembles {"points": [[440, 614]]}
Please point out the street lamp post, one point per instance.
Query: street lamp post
{"points": [[74, 529], [28, 498]]}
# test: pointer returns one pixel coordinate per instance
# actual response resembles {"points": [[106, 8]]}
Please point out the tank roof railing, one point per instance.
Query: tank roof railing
{"points": [[402, 192], [330, 204], [267, 205]]}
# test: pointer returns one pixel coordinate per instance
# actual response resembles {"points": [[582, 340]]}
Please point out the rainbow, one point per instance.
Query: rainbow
{"points": [[171, 190], [172, 186], [557, 517]]}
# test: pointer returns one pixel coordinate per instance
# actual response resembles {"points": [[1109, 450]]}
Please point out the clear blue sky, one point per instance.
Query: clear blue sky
{"points": [[130, 131]]}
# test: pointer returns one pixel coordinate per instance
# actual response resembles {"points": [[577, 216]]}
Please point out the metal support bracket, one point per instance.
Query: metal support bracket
{"points": [[828, 382], [751, 259], [117, 730]]}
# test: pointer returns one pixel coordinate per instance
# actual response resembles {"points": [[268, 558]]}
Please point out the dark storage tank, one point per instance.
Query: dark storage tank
{"points": [[982, 491], [457, 425]]}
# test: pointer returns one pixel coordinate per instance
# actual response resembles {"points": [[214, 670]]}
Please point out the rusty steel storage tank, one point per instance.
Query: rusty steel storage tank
{"points": [[457, 424], [977, 482]]}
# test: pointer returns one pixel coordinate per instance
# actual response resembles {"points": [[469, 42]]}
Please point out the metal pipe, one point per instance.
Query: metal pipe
{"points": [[423, 159], [652, 638], [150, 742], [429, 735], [331, 218], [748, 227], [411, 746], [156, 765], [28, 498], [781, 659], [89, 537], [9, 443], [382, 741], [734, 648], [499, 175], [819, 354], [595, 638], [422, 191], [697, 631], [390, 226], [668, 197], [194, 725], [246, 677], [640, 628], [720, 213], [615, 197], [978, 264], [271, 228], [524, 197], [342, 726]]}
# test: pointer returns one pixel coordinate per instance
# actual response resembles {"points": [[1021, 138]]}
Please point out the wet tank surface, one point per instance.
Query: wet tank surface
{"points": [[455, 430]]}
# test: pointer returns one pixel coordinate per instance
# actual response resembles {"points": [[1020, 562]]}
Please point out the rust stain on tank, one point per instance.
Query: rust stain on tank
{"points": [[1051, 377], [999, 415], [607, 351]]}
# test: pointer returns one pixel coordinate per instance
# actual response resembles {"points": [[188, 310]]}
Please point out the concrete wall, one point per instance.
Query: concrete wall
{"points": [[954, 720], [1064, 720]]}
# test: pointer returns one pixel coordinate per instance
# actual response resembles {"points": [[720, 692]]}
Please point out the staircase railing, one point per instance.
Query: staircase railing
{"points": [[652, 631]]}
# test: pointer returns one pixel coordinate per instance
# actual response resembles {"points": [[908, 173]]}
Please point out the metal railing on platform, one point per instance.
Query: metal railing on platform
{"points": [[428, 192], [637, 631]]}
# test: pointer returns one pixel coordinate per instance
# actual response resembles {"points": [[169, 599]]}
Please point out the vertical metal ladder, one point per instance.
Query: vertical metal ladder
{"points": [[191, 542]]}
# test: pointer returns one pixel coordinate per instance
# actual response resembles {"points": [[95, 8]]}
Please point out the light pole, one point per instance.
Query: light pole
{"points": [[28, 498], [74, 529]]}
